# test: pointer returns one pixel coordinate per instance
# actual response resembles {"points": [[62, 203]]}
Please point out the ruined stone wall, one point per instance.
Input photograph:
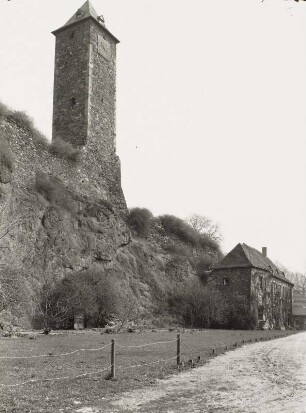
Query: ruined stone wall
{"points": [[273, 299], [42, 238], [23, 205], [70, 108]]}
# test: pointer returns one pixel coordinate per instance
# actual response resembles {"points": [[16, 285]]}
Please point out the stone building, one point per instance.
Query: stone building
{"points": [[299, 309], [84, 100], [253, 287]]}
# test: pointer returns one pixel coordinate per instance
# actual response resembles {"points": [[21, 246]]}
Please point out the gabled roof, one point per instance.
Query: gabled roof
{"points": [[243, 256], [85, 12]]}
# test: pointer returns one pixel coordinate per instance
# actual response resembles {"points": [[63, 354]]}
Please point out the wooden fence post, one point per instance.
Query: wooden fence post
{"points": [[113, 359], [178, 350]]}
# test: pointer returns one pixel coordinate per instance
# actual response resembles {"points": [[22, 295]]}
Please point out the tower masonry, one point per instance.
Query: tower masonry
{"points": [[85, 82], [84, 102]]}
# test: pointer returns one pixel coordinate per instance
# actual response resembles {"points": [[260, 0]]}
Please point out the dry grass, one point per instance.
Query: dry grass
{"points": [[65, 150], [63, 394]]}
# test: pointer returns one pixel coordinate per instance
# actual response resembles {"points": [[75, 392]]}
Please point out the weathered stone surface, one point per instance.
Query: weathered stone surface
{"points": [[5, 173], [85, 102], [74, 227], [58, 216], [269, 299]]}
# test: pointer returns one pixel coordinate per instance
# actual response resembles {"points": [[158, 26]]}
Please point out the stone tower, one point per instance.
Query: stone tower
{"points": [[85, 82], [84, 103]]}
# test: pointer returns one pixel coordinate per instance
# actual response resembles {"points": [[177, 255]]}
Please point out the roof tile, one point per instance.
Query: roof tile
{"points": [[244, 256]]}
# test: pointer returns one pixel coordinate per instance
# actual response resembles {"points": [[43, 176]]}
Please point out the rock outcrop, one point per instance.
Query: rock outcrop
{"points": [[56, 215], [60, 216]]}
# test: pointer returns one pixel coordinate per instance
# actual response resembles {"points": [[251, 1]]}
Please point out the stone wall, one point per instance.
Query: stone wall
{"points": [[238, 282], [268, 298], [85, 70], [70, 101], [102, 91], [20, 202], [232, 292], [273, 299]]}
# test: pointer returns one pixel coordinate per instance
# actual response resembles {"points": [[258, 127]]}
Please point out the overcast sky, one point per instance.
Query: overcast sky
{"points": [[211, 107]]}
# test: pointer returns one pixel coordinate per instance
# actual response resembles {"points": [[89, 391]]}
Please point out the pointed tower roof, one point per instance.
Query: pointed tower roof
{"points": [[85, 12], [82, 13]]}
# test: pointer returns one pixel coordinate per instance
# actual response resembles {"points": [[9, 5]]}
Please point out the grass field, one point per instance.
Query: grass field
{"points": [[133, 368]]}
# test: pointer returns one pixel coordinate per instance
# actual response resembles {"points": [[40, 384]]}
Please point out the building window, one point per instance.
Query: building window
{"points": [[71, 35], [73, 102], [226, 281]]}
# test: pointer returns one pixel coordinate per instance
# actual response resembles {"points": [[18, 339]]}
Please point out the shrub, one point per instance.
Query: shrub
{"points": [[88, 292], [139, 220], [177, 227], [4, 110], [107, 204], [22, 119], [65, 150], [26, 122], [179, 250], [195, 304], [202, 264], [55, 192], [15, 293], [6, 156], [39, 138], [206, 242], [239, 316]]}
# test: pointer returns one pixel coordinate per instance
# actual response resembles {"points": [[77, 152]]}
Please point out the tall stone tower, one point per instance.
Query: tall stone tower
{"points": [[84, 102], [85, 82]]}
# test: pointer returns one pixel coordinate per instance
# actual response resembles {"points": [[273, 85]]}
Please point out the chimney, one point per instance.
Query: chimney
{"points": [[264, 251]]}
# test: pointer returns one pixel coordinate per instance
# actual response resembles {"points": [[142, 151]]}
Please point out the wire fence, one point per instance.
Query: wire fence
{"points": [[112, 367], [55, 355]]}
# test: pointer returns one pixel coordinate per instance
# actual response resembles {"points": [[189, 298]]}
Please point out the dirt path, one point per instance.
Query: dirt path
{"points": [[264, 377]]}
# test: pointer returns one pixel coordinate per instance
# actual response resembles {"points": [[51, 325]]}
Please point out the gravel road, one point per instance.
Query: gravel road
{"points": [[263, 377]]}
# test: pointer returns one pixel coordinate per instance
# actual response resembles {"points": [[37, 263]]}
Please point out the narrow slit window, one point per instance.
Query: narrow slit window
{"points": [[226, 281], [73, 102]]}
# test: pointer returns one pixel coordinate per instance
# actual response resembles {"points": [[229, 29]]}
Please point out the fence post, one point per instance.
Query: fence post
{"points": [[178, 350], [113, 356]]}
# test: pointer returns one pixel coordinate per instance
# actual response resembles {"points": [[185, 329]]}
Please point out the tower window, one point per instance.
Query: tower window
{"points": [[226, 281], [73, 102], [71, 35]]}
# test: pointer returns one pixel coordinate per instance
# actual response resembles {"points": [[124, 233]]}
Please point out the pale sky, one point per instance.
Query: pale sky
{"points": [[211, 106]]}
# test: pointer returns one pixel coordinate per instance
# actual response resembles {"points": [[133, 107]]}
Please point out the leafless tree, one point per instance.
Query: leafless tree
{"points": [[204, 225], [127, 310]]}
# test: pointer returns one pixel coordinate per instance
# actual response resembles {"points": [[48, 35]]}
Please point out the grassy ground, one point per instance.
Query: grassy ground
{"points": [[133, 368]]}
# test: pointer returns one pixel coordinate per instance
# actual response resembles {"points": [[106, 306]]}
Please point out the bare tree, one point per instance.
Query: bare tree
{"points": [[204, 225], [52, 305], [127, 310]]}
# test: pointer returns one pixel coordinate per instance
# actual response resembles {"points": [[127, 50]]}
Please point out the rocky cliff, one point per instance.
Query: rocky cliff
{"points": [[60, 216]]}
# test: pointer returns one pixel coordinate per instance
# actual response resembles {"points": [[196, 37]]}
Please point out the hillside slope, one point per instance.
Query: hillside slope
{"points": [[60, 216]]}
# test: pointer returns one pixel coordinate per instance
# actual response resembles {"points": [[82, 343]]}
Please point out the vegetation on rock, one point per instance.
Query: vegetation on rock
{"points": [[80, 257], [140, 220], [27, 123], [65, 150]]}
